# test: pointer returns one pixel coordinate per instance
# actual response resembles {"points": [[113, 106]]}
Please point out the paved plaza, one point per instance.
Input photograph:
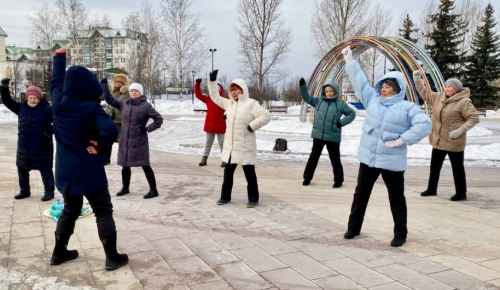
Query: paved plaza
{"points": [[292, 240]]}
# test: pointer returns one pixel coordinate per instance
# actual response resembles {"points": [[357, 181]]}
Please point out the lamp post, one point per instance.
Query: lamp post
{"points": [[212, 50], [192, 92]]}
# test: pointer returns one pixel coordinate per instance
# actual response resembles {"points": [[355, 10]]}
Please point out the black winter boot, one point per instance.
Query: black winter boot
{"points": [[126, 175], [47, 196], [223, 164], [123, 191], [114, 260], [153, 192], [428, 193], [22, 195], [203, 161], [61, 253]]}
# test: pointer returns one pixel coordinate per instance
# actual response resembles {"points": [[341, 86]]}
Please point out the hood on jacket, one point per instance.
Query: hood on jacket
{"points": [[122, 79], [332, 85], [243, 85], [80, 83], [399, 76]]}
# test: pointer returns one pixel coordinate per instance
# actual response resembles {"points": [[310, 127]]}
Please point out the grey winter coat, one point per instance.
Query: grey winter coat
{"points": [[133, 149]]}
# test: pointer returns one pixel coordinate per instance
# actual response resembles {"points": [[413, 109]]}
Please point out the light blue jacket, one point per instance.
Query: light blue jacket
{"points": [[387, 119]]}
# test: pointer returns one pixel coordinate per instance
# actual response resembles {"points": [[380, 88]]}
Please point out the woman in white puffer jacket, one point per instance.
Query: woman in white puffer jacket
{"points": [[244, 117]]}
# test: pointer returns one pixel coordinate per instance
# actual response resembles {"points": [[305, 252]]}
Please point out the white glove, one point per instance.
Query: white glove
{"points": [[417, 76], [395, 143], [347, 54], [456, 133]]}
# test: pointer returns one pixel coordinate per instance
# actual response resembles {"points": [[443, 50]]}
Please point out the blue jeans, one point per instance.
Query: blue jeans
{"points": [[47, 179]]}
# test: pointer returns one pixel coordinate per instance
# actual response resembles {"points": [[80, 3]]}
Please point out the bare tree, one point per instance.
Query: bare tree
{"points": [[101, 21], [264, 41], [44, 24], [430, 8], [291, 92], [183, 41], [73, 14], [335, 20], [380, 20], [474, 11]]}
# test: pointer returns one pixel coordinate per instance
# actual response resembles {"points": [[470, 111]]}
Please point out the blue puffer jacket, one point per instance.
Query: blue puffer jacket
{"points": [[387, 119], [327, 113], [79, 118], [35, 149]]}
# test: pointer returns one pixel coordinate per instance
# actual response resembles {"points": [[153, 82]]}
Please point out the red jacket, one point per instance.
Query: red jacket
{"points": [[215, 122]]}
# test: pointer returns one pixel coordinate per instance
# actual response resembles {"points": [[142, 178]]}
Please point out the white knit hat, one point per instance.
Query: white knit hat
{"points": [[136, 86]]}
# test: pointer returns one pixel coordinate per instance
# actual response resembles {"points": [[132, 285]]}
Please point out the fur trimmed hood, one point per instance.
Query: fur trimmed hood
{"points": [[123, 89], [122, 79]]}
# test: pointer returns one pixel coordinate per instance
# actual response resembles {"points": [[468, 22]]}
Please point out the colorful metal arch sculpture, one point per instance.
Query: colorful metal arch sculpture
{"points": [[404, 55]]}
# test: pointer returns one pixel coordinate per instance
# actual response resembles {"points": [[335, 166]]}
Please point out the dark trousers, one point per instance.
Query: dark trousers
{"points": [[457, 166], [47, 179], [252, 186], [108, 154], [395, 183], [148, 171], [102, 207], [334, 154]]}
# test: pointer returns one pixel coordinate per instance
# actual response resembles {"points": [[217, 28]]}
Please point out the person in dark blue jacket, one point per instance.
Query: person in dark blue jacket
{"points": [[35, 149], [83, 131]]}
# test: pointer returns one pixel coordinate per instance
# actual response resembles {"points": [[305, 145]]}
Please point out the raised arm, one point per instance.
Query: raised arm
{"points": [[425, 93], [7, 98], [157, 119], [108, 97], [57, 79], [197, 92], [358, 78], [304, 92], [421, 126]]}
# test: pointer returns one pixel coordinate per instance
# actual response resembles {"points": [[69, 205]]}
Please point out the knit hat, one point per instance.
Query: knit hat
{"points": [[35, 91], [393, 83], [136, 86], [456, 84]]}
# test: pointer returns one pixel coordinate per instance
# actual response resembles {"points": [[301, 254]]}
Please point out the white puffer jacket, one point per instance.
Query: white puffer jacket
{"points": [[239, 143]]}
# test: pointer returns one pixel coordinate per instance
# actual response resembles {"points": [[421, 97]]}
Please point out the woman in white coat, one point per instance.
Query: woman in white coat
{"points": [[244, 117]]}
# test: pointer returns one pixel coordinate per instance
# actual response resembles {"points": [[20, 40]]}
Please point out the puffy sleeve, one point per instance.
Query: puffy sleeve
{"points": [[360, 83], [213, 90], [421, 126]]}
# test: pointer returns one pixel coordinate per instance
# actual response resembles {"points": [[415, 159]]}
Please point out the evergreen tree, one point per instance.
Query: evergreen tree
{"points": [[446, 36], [483, 65], [408, 29]]}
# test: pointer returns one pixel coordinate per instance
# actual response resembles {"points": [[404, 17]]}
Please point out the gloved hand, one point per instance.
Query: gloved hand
{"points": [[198, 81], [339, 125], [456, 133], [5, 82], [302, 82], [395, 143], [347, 54], [249, 129], [417, 76], [104, 81], [213, 75], [143, 129]]}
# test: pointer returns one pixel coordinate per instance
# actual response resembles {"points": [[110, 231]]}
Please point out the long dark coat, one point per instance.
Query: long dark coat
{"points": [[35, 149], [133, 149], [79, 118]]}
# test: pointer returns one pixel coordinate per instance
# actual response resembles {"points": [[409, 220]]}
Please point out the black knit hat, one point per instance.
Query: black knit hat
{"points": [[393, 83]]}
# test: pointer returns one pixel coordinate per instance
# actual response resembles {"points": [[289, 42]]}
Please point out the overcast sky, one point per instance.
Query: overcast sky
{"points": [[218, 18]]}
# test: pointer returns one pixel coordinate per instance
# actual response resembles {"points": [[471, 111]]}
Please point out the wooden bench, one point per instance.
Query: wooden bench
{"points": [[278, 109], [481, 111], [200, 110]]}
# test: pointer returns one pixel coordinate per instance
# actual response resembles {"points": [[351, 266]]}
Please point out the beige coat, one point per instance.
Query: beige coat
{"points": [[449, 114], [239, 143]]}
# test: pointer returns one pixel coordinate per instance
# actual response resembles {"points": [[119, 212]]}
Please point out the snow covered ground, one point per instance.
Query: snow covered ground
{"points": [[182, 133]]}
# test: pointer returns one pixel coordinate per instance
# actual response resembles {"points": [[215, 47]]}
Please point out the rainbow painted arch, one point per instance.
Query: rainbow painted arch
{"points": [[406, 56]]}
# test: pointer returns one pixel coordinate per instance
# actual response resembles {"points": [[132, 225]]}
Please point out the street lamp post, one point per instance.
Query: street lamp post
{"points": [[192, 92], [212, 50]]}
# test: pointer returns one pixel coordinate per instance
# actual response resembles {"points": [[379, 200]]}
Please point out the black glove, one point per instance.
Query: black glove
{"points": [[339, 125], [5, 82], [302, 82], [249, 129], [213, 75], [143, 129], [104, 81]]}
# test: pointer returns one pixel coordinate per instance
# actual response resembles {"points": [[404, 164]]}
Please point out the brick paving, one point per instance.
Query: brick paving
{"points": [[292, 240]]}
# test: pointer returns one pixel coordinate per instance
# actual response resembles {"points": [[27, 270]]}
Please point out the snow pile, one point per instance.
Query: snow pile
{"points": [[493, 113], [6, 116], [167, 107]]}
